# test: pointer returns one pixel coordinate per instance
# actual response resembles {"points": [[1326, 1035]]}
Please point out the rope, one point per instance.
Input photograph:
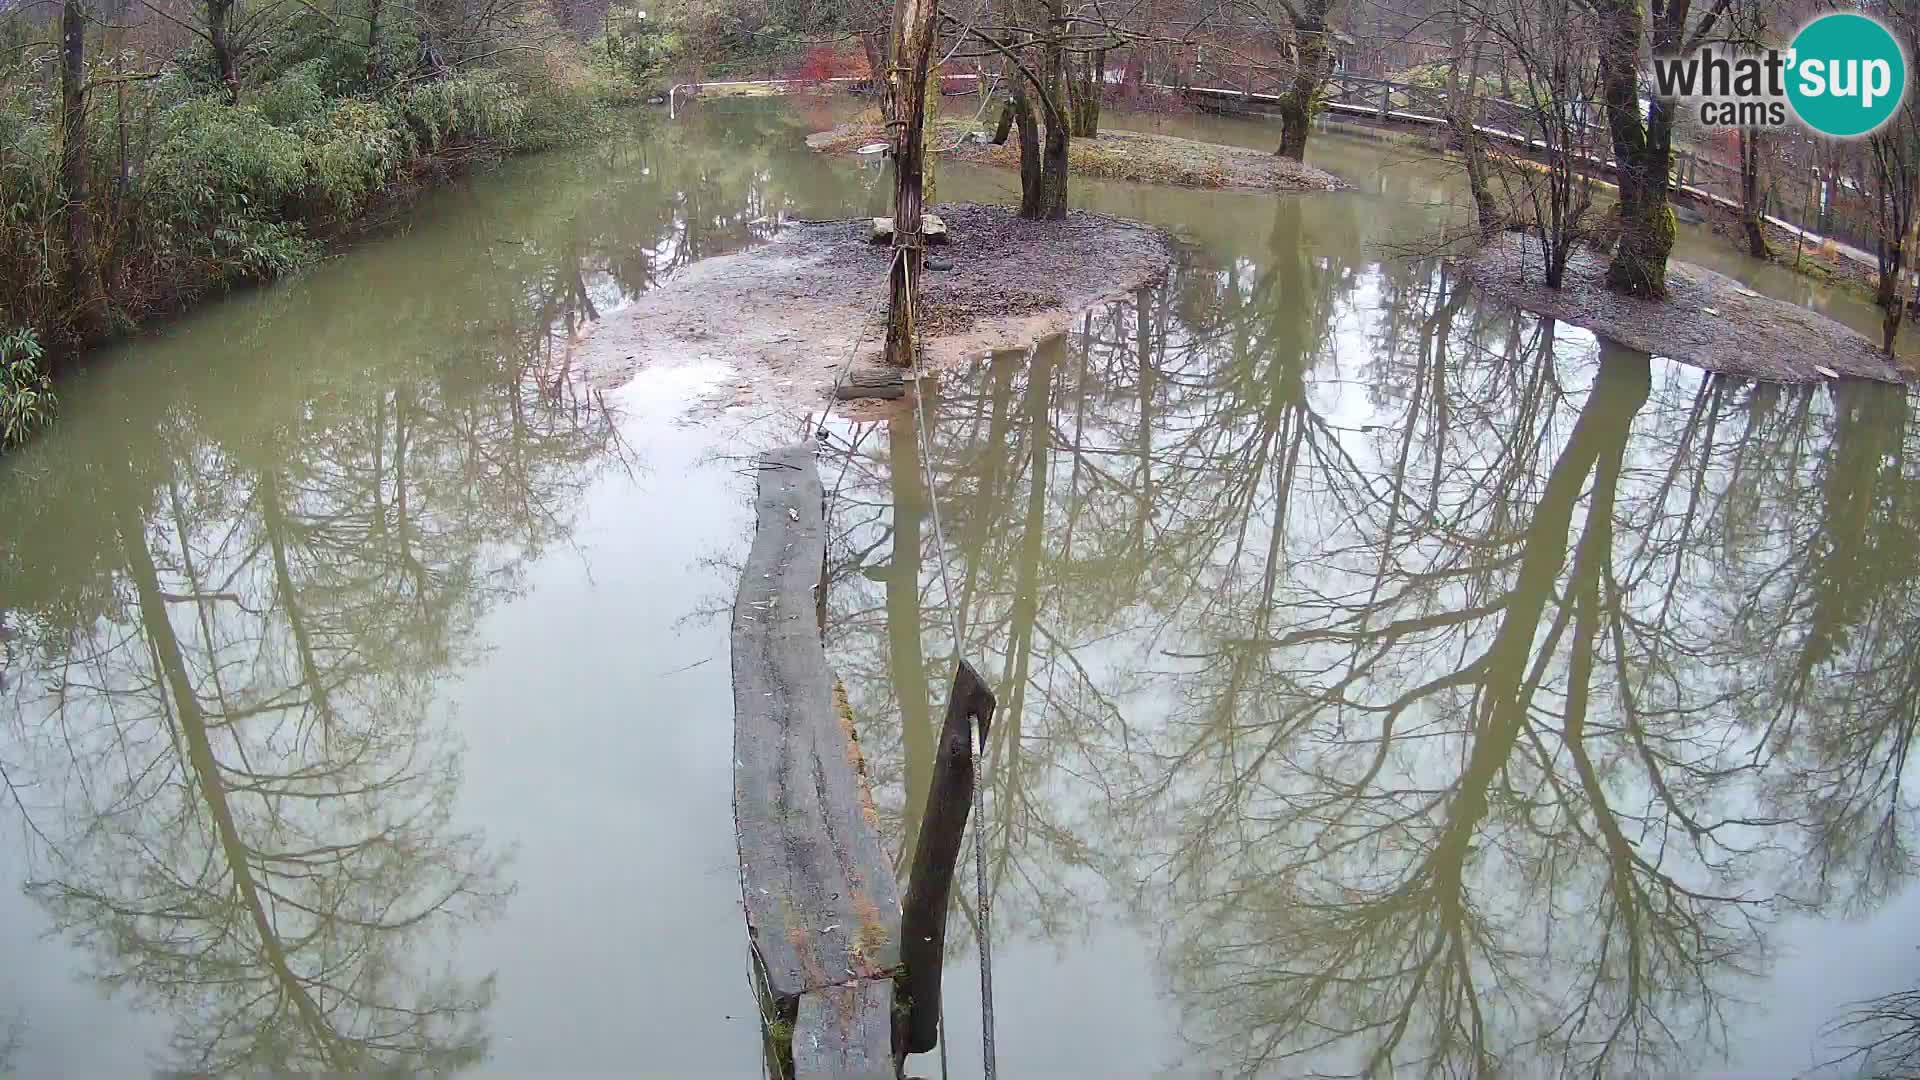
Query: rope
{"points": [[983, 904], [979, 804]]}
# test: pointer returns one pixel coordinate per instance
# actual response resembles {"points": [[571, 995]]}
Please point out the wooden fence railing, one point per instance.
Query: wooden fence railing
{"points": [[1789, 199]]}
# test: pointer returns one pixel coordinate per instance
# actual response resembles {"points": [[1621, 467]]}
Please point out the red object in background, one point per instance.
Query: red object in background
{"points": [[823, 62]]}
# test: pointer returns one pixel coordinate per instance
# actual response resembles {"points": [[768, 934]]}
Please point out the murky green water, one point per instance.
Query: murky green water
{"points": [[1386, 677]]}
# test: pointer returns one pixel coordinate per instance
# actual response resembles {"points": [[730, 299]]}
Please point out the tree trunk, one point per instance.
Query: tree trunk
{"points": [[1896, 307], [220, 36], [875, 46], [82, 284], [1642, 149], [1053, 160], [1310, 62], [1029, 125], [374, 68], [1895, 177], [914, 51], [1642, 145], [930, 121], [1463, 116], [1829, 187], [1085, 80], [1750, 220], [1005, 125], [1053, 173]]}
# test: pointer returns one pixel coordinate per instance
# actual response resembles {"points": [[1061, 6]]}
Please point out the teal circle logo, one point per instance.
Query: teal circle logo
{"points": [[1847, 74]]}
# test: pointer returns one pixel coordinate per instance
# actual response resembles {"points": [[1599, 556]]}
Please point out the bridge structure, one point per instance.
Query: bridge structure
{"points": [[1698, 181]]}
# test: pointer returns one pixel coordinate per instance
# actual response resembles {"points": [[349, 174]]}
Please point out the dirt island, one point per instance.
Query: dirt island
{"points": [[1708, 320], [786, 317], [1138, 156]]}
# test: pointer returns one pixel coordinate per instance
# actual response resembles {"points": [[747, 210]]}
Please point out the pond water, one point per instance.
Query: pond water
{"points": [[1387, 678]]}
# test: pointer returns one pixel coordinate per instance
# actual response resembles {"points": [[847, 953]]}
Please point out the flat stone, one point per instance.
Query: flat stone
{"points": [[932, 227]]}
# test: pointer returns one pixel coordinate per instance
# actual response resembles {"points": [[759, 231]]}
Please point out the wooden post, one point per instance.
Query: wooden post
{"points": [[912, 58], [923, 919], [1386, 99]]}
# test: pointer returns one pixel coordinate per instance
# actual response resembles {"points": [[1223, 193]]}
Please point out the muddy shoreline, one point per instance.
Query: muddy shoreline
{"points": [[1115, 154], [1708, 320], [787, 317]]}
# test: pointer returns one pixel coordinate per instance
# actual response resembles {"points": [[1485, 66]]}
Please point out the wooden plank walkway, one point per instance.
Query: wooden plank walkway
{"points": [[823, 912]]}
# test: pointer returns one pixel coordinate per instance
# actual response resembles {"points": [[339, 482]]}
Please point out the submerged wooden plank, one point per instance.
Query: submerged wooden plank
{"points": [[822, 908], [844, 1032]]}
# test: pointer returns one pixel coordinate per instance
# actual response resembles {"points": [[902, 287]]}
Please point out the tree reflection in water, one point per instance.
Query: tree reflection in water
{"points": [[225, 642], [223, 672], [1478, 707], [244, 795]]}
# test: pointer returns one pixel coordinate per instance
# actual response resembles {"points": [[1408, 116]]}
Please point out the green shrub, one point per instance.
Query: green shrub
{"points": [[313, 44], [26, 394], [296, 99], [639, 43], [190, 193], [355, 152], [216, 160], [463, 109]]}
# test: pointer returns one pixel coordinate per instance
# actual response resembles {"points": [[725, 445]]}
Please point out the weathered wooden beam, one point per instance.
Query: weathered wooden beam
{"points": [[871, 382], [923, 920], [845, 1032], [822, 909]]}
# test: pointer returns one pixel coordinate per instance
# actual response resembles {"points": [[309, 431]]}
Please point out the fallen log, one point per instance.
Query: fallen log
{"points": [[822, 909]]}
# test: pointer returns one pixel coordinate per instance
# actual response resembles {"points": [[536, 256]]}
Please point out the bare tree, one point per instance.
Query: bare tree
{"points": [[1885, 1033], [1551, 42]]}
